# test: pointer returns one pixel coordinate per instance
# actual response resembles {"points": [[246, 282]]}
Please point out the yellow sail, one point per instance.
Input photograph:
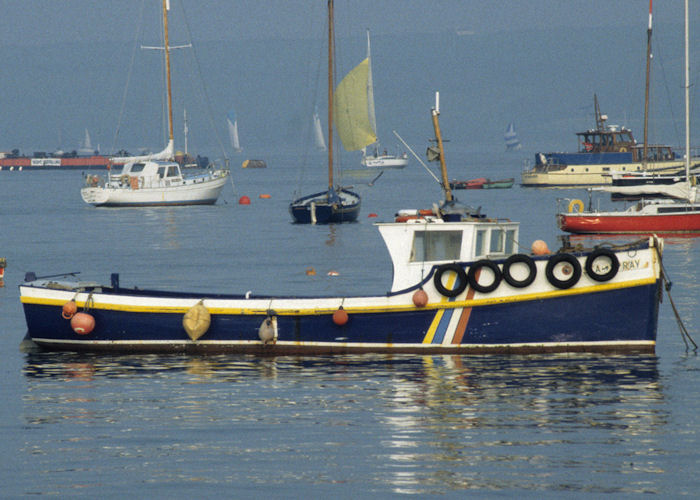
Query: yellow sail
{"points": [[351, 106]]}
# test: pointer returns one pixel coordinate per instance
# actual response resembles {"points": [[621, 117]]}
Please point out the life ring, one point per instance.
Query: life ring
{"points": [[575, 203], [568, 259], [476, 267], [461, 280], [519, 259], [123, 179], [614, 264], [623, 149]]}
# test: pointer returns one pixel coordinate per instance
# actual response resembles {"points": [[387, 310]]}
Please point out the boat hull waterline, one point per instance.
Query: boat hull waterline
{"points": [[192, 191], [591, 316], [630, 223], [326, 207]]}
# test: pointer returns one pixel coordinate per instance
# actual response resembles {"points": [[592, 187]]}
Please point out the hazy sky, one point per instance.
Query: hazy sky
{"points": [[65, 64], [42, 21]]}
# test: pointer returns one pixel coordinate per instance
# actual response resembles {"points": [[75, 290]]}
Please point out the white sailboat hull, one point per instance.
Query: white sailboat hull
{"points": [[385, 161], [204, 190]]}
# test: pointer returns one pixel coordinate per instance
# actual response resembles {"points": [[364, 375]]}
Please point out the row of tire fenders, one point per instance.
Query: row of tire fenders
{"points": [[197, 320], [470, 277]]}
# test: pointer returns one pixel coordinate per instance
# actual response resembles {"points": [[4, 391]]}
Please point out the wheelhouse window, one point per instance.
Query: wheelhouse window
{"points": [[173, 171], [480, 242], [137, 167], [436, 245], [510, 241], [494, 241]]}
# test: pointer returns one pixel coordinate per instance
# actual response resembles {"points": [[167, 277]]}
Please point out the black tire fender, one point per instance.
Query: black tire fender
{"points": [[569, 259], [519, 259], [614, 264], [475, 267], [461, 280]]}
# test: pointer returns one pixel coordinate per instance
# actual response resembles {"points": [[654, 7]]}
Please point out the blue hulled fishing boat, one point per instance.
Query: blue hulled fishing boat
{"points": [[460, 284]]}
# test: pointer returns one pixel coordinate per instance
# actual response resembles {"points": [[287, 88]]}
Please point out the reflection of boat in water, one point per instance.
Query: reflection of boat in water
{"points": [[459, 286]]}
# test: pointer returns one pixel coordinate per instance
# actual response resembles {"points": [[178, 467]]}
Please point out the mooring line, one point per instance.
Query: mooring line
{"points": [[667, 285]]}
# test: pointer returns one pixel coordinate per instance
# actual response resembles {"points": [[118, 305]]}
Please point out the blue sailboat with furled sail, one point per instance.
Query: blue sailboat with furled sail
{"points": [[232, 123], [348, 109], [511, 138]]}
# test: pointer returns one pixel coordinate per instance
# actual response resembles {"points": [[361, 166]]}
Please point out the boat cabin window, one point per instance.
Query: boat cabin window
{"points": [[436, 245], [173, 171], [496, 241], [510, 241], [161, 172], [137, 167], [480, 239], [499, 241]]}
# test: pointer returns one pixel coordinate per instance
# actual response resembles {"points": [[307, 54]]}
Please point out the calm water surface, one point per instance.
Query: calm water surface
{"points": [[177, 426]]}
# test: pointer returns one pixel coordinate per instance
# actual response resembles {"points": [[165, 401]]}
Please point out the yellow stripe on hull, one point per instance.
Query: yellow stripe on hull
{"points": [[443, 304]]}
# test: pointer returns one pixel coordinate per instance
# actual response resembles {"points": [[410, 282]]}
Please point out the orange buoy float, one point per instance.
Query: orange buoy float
{"points": [[539, 247], [310, 271], [340, 317], [244, 200], [420, 298], [69, 309], [372, 215], [82, 323], [265, 196]]}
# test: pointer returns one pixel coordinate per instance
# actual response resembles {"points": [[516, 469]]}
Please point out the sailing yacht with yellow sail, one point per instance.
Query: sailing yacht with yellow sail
{"points": [[348, 109]]}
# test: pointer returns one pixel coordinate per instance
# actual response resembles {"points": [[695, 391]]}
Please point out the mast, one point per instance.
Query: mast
{"points": [[186, 129], [330, 94], [166, 7], [435, 112], [687, 105], [646, 92]]}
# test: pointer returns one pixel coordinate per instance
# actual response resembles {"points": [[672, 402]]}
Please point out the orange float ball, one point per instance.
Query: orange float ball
{"points": [[539, 247], [82, 323], [244, 200], [69, 309], [340, 317], [420, 298]]}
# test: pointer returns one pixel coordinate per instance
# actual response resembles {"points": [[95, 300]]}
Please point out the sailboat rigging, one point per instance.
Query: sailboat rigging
{"points": [[649, 215], [336, 204], [155, 180]]}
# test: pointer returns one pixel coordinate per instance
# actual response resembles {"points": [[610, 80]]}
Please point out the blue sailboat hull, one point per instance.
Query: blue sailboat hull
{"points": [[327, 207]]}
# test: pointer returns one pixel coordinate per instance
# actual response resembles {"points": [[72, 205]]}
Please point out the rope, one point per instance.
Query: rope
{"points": [[667, 285], [89, 302]]}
